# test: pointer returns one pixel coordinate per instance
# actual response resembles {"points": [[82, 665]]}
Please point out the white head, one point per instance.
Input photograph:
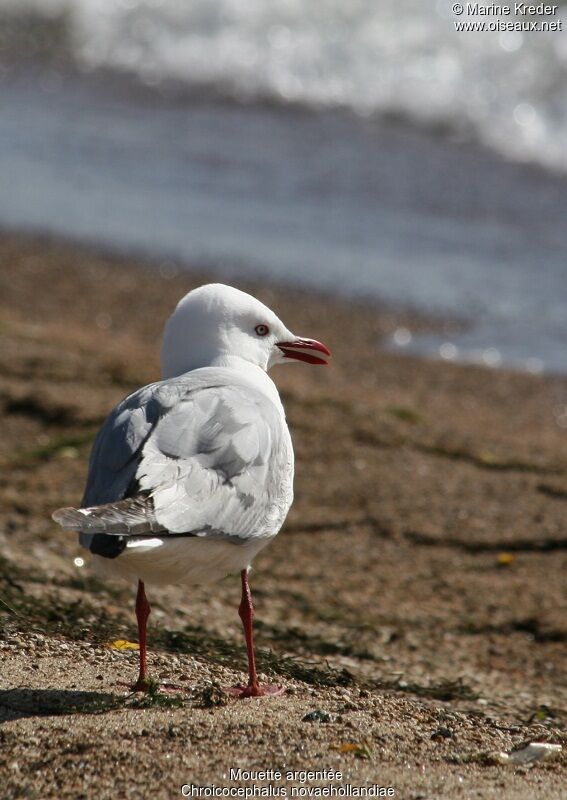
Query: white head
{"points": [[215, 323]]}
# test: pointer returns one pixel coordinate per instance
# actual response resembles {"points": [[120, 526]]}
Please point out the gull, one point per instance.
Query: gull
{"points": [[191, 476]]}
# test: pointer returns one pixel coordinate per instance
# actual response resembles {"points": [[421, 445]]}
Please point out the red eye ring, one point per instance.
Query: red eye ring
{"points": [[262, 330]]}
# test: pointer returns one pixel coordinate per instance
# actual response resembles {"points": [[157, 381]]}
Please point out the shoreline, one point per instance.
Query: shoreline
{"points": [[417, 586], [348, 206], [423, 325]]}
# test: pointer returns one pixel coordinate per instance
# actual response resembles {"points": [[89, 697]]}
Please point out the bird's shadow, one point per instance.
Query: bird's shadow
{"points": [[19, 703]]}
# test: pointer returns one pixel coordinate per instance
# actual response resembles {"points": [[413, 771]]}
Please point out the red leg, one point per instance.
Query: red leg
{"points": [[143, 610], [246, 612]]}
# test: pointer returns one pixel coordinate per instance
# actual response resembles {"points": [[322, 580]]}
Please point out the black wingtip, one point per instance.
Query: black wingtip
{"points": [[107, 546]]}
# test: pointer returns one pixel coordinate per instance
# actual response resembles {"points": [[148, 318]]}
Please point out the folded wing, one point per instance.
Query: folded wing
{"points": [[189, 456]]}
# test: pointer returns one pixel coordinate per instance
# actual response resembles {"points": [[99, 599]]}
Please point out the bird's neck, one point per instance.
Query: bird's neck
{"points": [[252, 373]]}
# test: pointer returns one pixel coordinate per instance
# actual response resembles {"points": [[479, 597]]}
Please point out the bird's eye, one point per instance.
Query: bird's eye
{"points": [[262, 330]]}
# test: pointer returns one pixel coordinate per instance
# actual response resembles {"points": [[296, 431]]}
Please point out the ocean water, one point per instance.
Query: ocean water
{"points": [[369, 151], [399, 58]]}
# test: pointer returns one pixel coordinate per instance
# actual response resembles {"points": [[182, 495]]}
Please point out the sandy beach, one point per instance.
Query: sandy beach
{"points": [[414, 605]]}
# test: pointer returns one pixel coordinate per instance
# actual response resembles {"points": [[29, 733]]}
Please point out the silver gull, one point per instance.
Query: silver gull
{"points": [[190, 477]]}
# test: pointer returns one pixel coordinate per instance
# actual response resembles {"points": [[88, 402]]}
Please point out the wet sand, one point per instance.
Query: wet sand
{"points": [[415, 599]]}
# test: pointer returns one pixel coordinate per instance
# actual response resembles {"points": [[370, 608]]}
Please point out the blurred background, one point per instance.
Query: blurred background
{"points": [[362, 148]]}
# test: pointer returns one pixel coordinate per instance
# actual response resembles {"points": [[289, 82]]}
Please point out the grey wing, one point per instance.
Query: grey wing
{"points": [[202, 461], [214, 467], [110, 501], [117, 449]]}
